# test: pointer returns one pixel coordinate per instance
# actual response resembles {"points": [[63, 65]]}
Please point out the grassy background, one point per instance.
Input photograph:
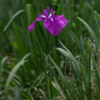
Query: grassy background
{"points": [[71, 72]]}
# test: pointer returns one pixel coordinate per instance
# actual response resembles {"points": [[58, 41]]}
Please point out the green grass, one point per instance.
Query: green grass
{"points": [[70, 71]]}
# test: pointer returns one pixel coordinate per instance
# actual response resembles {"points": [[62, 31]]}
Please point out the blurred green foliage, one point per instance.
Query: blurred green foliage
{"points": [[39, 78]]}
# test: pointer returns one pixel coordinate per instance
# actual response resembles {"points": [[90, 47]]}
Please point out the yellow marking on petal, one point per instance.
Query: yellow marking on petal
{"points": [[51, 19]]}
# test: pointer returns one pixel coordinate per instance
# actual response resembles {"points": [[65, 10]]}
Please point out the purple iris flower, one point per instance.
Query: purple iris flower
{"points": [[53, 23]]}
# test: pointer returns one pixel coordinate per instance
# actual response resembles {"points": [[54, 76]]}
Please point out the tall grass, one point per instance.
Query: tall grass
{"points": [[69, 72]]}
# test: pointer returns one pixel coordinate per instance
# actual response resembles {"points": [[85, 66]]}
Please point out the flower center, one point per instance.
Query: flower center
{"points": [[51, 19]]}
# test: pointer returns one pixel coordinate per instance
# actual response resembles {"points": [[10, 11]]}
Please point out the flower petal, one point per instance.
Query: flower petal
{"points": [[46, 12], [61, 18], [52, 12], [48, 8], [55, 27], [32, 26]]}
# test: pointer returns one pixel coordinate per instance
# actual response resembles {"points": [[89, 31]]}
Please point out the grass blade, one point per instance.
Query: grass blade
{"points": [[88, 28], [13, 17], [67, 84], [17, 96], [13, 72], [2, 64]]}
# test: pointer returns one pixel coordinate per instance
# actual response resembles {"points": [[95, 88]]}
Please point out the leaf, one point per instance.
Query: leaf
{"points": [[97, 15], [81, 44], [1, 66], [13, 72], [28, 13], [88, 28], [13, 17], [67, 83], [67, 53], [17, 97]]}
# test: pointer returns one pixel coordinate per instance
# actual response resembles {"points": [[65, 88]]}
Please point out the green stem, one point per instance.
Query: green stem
{"points": [[49, 90], [48, 42]]}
